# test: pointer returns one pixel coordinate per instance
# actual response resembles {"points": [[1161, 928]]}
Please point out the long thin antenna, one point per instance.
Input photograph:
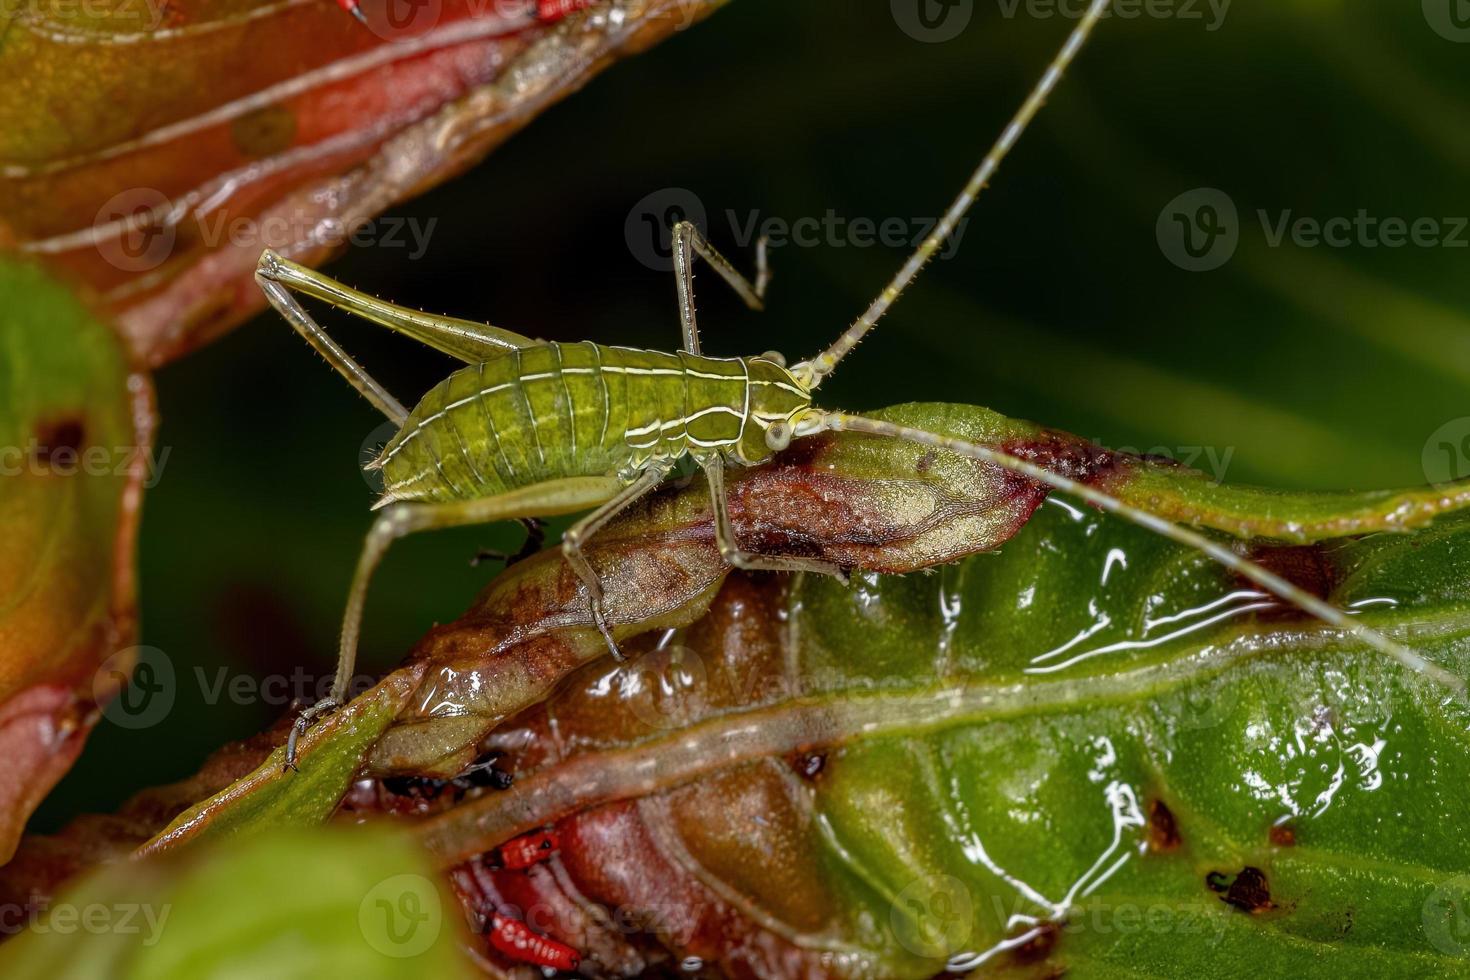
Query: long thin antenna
{"points": [[1275, 584], [812, 372]]}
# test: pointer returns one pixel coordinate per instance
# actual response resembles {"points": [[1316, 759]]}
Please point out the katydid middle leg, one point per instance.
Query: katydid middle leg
{"points": [[552, 497], [577, 535], [714, 472], [690, 241]]}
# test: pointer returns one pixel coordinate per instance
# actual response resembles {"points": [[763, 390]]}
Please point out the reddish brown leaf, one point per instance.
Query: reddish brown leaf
{"points": [[159, 150]]}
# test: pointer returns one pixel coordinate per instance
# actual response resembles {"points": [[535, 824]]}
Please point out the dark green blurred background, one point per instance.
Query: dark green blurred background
{"points": [[1312, 367]]}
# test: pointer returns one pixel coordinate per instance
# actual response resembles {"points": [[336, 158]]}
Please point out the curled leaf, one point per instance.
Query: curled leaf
{"points": [[75, 450], [1092, 752], [1074, 727], [224, 129]]}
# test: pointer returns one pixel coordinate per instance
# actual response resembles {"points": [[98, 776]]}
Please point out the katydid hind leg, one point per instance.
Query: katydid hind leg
{"points": [[730, 550], [578, 534], [355, 374], [467, 340], [402, 519]]}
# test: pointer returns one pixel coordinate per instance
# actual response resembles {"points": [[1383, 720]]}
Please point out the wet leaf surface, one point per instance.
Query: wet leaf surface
{"points": [[75, 430], [158, 147], [1074, 747], [1171, 777]]}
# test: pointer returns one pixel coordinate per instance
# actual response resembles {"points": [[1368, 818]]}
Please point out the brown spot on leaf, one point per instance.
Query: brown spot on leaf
{"points": [[1163, 829], [1039, 946], [1247, 890], [1066, 455], [1305, 566], [60, 441], [1283, 835], [264, 132]]}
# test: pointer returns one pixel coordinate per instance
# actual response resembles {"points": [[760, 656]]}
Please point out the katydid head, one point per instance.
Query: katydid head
{"points": [[778, 401]]}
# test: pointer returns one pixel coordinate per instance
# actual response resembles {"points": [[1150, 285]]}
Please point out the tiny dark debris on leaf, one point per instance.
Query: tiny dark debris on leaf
{"points": [[60, 441], [1283, 835], [1247, 890], [1038, 947], [809, 764], [1163, 829], [481, 775]]}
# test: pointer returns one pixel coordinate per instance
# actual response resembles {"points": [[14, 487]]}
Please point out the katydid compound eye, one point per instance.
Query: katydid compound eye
{"points": [[775, 357], [778, 435]]}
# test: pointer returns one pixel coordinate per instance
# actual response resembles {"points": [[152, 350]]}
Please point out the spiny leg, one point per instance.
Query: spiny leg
{"points": [[471, 342], [1275, 584], [577, 535], [295, 315], [689, 241], [397, 521], [714, 471]]}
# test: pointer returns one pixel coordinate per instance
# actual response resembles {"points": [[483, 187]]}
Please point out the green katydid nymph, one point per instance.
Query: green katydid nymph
{"points": [[532, 429]]}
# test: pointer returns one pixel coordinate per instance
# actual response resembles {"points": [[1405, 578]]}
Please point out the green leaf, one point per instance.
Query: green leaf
{"points": [[1093, 751], [74, 452], [277, 797], [151, 151], [1131, 735], [328, 902]]}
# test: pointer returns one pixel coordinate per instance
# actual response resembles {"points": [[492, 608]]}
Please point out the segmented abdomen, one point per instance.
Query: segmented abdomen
{"points": [[562, 410]]}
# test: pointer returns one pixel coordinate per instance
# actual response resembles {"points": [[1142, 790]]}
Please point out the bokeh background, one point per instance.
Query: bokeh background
{"points": [[1287, 365]]}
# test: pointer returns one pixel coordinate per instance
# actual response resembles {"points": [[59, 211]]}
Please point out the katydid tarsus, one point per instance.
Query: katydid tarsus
{"points": [[535, 429]]}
